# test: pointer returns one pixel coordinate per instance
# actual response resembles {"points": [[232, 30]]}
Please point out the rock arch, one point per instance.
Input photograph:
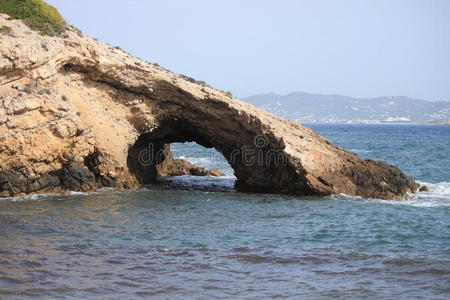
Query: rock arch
{"points": [[294, 158], [80, 111], [257, 167]]}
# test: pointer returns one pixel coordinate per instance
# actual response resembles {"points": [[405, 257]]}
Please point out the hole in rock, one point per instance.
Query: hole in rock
{"points": [[194, 166], [180, 164], [257, 161], [207, 158]]}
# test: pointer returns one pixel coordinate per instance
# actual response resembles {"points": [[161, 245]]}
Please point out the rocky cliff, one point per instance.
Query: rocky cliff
{"points": [[78, 114]]}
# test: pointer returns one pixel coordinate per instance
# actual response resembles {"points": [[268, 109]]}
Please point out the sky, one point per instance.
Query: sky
{"points": [[359, 48]]}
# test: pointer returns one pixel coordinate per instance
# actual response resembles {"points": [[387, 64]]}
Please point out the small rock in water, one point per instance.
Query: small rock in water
{"points": [[424, 188]]}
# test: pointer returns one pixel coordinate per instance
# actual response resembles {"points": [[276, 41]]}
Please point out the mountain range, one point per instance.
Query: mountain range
{"points": [[318, 108]]}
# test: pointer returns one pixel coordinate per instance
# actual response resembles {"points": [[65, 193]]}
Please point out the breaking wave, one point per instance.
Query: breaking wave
{"points": [[438, 195]]}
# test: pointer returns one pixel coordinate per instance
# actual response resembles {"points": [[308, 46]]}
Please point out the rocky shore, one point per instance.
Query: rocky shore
{"points": [[78, 114]]}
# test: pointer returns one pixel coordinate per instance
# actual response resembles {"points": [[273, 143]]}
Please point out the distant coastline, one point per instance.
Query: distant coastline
{"points": [[304, 107], [378, 123], [367, 123]]}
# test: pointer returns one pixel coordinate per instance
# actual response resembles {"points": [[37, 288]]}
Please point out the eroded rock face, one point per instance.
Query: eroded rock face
{"points": [[79, 114]]}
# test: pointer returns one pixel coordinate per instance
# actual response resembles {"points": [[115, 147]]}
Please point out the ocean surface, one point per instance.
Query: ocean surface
{"points": [[197, 238]]}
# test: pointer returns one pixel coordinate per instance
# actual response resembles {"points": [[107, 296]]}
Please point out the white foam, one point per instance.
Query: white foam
{"points": [[33, 197], [73, 193], [440, 188], [439, 195], [205, 161], [360, 151], [42, 197]]}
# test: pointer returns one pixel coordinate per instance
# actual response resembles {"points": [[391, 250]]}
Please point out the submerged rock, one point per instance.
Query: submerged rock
{"points": [[80, 114]]}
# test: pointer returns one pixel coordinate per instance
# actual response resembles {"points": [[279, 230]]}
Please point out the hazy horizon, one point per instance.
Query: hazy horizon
{"points": [[361, 49], [349, 96]]}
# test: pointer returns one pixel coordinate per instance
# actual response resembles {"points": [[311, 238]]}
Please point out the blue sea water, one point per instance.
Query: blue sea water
{"points": [[198, 238]]}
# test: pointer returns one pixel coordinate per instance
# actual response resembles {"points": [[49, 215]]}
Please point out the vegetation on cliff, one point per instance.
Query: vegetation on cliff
{"points": [[37, 14]]}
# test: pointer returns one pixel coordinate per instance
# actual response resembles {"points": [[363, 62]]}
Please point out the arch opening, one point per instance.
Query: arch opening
{"points": [[254, 162], [159, 162], [207, 158], [176, 148]]}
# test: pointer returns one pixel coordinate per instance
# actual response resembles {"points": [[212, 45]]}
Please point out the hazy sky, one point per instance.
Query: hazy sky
{"points": [[361, 48]]}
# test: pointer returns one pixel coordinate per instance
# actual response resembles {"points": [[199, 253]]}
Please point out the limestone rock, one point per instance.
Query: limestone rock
{"points": [[107, 118]]}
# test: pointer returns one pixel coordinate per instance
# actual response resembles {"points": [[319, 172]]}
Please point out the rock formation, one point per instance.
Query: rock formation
{"points": [[79, 114], [172, 166]]}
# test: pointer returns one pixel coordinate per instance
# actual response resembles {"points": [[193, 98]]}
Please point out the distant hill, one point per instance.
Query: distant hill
{"points": [[305, 107]]}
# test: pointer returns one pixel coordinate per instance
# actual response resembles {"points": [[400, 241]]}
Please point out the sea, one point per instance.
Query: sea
{"points": [[198, 238]]}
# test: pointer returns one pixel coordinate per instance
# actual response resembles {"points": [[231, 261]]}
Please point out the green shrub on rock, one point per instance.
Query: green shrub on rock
{"points": [[37, 14], [229, 94]]}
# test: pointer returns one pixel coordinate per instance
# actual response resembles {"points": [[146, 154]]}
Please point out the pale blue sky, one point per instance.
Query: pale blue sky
{"points": [[361, 48]]}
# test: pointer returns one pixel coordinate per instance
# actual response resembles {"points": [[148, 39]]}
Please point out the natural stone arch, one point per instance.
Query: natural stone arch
{"points": [[311, 165], [257, 167], [102, 101]]}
